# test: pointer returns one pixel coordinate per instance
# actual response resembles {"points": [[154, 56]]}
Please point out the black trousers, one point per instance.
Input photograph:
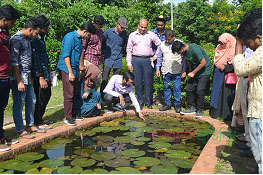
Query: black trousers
{"points": [[109, 99], [42, 99], [105, 76], [197, 86]]}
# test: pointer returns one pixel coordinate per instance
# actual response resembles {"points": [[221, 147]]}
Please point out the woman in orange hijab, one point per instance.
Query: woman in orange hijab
{"points": [[88, 103], [223, 94]]}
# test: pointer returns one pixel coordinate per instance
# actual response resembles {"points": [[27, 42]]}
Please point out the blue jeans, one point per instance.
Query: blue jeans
{"points": [[255, 132], [176, 79], [4, 94], [19, 99]]}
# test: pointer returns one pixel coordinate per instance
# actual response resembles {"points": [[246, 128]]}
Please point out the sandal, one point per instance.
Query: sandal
{"points": [[47, 122], [29, 129], [45, 127], [26, 135]]}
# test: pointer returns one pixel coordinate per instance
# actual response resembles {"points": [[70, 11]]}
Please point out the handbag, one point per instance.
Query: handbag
{"points": [[231, 78]]}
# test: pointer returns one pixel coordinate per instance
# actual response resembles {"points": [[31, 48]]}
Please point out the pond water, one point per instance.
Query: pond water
{"points": [[160, 145]]}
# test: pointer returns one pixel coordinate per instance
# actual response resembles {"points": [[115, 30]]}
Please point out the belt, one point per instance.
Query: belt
{"points": [[142, 56]]}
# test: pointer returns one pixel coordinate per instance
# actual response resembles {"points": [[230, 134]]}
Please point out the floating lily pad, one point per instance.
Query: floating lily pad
{"points": [[9, 164], [164, 138], [143, 139], [146, 161], [84, 152], [7, 172], [133, 134], [82, 162], [133, 153], [123, 139], [173, 130], [102, 156], [177, 154], [102, 129], [136, 124], [87, 171], [25, 166], [128, 170], [138, 143], [62, 140], [167, 162], [165, 170], [104, 138], [69, 170], [111, 123], [161, 150], [122, 127], [1, 170], [186, 164], [42, 171], [118, 162], [53, 146], [204, 132], [30, 156], [158, 145], [49, 163]]}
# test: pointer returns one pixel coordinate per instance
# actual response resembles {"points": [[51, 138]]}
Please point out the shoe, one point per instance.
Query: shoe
{"points": [[8, 141], [78, 118], [118, 109], [70, 122], [199, 114], [149, 106], [141, 107], [243, 147], [45, 127], [109, 111], [165, 107], [241, 137], [190, 110], [177, 109], [247, 153], [4, 147]]}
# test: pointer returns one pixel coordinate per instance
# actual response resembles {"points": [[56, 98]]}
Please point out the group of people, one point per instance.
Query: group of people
{"points": [[89, 53]]}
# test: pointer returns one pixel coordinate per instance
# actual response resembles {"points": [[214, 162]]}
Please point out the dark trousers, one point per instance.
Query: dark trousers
{"points": [[70, 93], [4, 95], [143, 72], [42, 99], [105, 76], [197, 86], [109, 99]]}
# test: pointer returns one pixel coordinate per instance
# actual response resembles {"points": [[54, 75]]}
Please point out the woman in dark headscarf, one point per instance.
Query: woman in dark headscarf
{"points": [[89, 102]]}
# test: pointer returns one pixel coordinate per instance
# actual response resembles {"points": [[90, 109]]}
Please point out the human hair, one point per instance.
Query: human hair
{"points": [[89, 27], [177, 46], [99, 20], [169, 33], [9, 13], [128, 75], [42, 21], [251, 25], [32, 23]]}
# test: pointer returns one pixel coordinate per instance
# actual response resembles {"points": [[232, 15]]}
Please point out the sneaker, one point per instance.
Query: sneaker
{"points": [[78, 118], [177, 109], [10, 141], [4, 147], [199, 114], [118, 109], [70, 122], [190, 110], [165, 107]]}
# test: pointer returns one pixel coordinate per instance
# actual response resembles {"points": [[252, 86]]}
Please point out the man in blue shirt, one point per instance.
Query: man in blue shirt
{"points": [[113, 42], [68, 65]]}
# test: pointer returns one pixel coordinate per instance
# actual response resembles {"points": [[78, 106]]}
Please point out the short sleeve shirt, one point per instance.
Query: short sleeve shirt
{"points": [[194, 55], [5, 60], [71, 47]]}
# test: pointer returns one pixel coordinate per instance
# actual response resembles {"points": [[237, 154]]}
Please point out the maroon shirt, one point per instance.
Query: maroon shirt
{"points": [[5, 59]]}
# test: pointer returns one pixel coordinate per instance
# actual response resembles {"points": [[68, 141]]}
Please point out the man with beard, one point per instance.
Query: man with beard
{"points": [[40, 73], [21, 80], [119, 91], [8, 17]]}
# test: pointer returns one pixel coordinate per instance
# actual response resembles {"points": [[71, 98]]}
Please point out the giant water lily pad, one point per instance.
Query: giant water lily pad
{"points": [[143, 139], [49, 163], [102, 156], [177, 154], [123, 139], [133, 153], [146, 161], [136, 124], [158, 145], [30, 156], [82, 162], [85, 152], [133, 134], [118, 162], [186, 164], [42, 171], [166, 170], [25, 166], [102, 129], [9, 164], [104, 138], [69, 170], [128, 170]]}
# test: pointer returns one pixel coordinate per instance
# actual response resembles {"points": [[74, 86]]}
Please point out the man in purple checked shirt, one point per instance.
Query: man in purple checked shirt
{"points": [[140, 57]]}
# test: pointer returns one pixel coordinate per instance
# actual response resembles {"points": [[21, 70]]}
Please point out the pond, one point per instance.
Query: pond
{"points": [[160, 145]]}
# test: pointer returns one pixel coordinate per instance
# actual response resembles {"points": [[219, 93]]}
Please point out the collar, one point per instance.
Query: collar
{"points": [[156, 32], [76, 34], [137, 32]]}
